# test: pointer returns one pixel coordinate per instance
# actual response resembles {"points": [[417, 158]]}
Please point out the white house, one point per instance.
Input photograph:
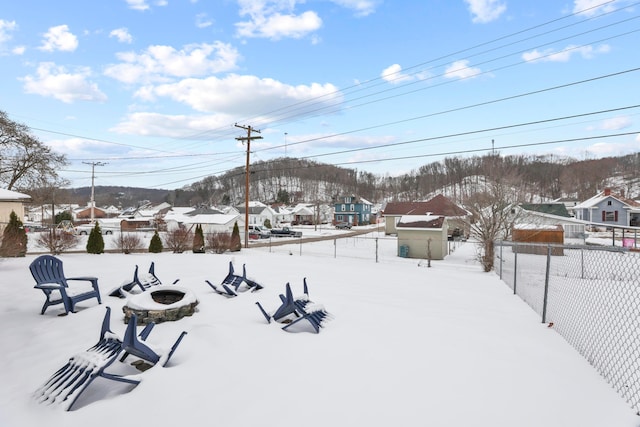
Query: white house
{"points": [[11, 201], [210, 222]]}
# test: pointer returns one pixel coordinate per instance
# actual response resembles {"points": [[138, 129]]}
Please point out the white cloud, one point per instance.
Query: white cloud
{"points": [[393, 74], [171, 126], [203, 21], [549, 55], [244, 94], [6, 28], [484, 11], [592, 7], [602, 149], [278, 26], [160, 63], [19, 50], [461, 70], [615, 123], [137, 4], [55, 82], [274, 19], [59, 38], [122, 34], [361, 7]]}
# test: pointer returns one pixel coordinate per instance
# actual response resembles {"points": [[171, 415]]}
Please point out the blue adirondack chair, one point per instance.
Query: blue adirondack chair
{"points": [[139, 284], [234, 283], [49, 276], [66, 385], [298, 309]]}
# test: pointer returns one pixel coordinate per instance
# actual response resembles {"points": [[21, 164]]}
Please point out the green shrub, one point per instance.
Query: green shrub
{"points": [[155, 247], [95, 244], [14, 238], [198, 240], [235, 245]]}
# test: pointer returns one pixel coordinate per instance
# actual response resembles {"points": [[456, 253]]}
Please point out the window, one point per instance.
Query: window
{"points": [[344, 208], [352, 208], [609, 216], [608, 202]]}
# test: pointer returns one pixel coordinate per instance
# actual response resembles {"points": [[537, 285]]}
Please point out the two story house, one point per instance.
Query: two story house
{"points": [[353, 210]]}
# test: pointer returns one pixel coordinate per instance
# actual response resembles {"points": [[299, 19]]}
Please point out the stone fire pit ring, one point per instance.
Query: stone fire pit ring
{"points": [[159, 304]]}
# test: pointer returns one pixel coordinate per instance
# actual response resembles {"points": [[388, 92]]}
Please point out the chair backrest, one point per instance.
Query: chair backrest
{"points": [[47, 269]]}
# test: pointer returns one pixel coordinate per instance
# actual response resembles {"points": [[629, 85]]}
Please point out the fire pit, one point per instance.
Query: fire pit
{"points": [[159, 304]]}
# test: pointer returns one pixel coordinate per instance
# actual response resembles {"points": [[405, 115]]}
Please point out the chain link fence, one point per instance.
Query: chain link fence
{"points": [[589, 295]]}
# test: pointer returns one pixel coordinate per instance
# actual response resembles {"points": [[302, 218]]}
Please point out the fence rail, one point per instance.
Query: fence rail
{"points": [[590, 296]]}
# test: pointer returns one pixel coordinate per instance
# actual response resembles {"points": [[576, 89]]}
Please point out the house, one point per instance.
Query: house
{"points": [[12, 201], [303, 213], [84, 213], [212, 221], [439, 205], [422, 236], [544, 215], [353, 210], [311, 213], [258, 213], [282, 215], [609, 209]]}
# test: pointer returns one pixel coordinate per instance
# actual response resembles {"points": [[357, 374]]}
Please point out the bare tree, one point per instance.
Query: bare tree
{"points": [[493, 213], [56, 241], [24, 159], [179, 239], [218, 242], [128, 242]]}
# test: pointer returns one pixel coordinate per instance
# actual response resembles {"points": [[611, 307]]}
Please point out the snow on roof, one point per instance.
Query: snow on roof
{"points": [[421, 221], [12, 195]]}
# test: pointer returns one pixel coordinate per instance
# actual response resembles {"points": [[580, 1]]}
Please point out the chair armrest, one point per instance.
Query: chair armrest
{"points": [[93, 280], [49, 286]]}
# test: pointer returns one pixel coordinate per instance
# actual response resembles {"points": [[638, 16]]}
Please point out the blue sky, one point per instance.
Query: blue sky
{"points": [[153, 88]]}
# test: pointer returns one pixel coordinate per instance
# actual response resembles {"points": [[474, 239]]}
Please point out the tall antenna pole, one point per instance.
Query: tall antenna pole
{"points": [[285, 144], [93, 168], [248, 139]]}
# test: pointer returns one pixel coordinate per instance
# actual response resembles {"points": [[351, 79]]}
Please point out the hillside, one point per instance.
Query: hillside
{"points": [[290, 180]]}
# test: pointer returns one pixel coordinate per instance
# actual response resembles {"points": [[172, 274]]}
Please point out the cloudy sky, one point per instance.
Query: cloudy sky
{"points": [[153, 89]]}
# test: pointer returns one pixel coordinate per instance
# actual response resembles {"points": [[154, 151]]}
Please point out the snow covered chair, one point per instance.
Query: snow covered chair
{"points": [[49, 275], [298, 309], [233, 283], [66, 385], [140, 283]]}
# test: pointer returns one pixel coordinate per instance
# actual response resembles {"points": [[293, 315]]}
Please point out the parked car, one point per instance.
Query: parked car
{"points": [[285, 232], [86, 228], [259, 231], [343, 226]]}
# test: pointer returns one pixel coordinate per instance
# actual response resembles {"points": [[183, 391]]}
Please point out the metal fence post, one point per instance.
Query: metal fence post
{"points": [[546, 285], [501, 259], [335, 248], [376, 249], [515, 268]]}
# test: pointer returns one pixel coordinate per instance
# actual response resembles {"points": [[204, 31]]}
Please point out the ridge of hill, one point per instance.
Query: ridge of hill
{"points": [[290, 180]]}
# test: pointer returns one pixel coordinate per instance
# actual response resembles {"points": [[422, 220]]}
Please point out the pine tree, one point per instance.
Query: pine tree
{"points": [[14, 238], [198, 240], [235, 245], [95, 244], [155, 246]]}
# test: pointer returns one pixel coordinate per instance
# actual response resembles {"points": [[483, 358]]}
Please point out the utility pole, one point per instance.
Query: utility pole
{"points": [[93, 168], [248, 139]]}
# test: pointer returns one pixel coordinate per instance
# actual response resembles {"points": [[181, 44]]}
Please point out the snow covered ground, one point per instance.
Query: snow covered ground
{"points": [[408, 346]]}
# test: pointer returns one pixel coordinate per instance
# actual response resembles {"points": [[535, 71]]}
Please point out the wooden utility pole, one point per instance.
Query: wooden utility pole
{"points": [[248, 139], [93, 203]]}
